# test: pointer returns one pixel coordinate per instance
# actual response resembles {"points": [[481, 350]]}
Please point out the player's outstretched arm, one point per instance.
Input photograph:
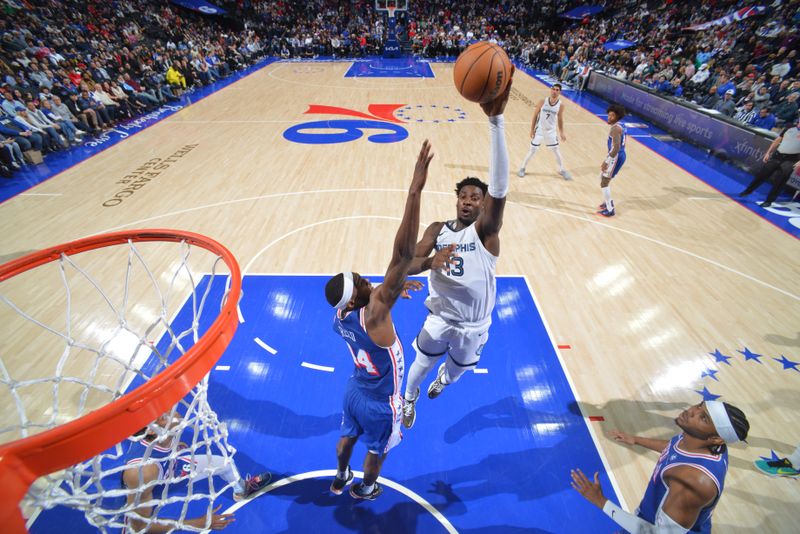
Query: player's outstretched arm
{"points": [[592, 492], [653, 444], [385, 295], [491, 219]]}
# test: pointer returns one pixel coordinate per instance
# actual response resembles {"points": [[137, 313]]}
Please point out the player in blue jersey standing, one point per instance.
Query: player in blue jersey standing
{"points": [[372, 402], [615, 158], [689, 477]]}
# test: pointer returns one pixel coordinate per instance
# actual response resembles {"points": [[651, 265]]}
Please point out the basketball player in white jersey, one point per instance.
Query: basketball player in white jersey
{"points": [[543, 128], [462, 296]]}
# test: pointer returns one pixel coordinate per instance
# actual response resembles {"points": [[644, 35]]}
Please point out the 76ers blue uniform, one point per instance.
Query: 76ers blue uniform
{"points": [[713, 465], [372, 403], [619, 159]]}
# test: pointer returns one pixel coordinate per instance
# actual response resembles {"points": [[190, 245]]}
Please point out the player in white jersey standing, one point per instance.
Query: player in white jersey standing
{"points": [[543, 128], [462, 294]]}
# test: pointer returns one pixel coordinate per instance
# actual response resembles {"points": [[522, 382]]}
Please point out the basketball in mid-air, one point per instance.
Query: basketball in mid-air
{"points": [[482, 72]]}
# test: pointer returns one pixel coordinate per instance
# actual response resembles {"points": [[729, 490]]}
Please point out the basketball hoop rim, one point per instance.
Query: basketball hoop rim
{"points": [[24, 460]]}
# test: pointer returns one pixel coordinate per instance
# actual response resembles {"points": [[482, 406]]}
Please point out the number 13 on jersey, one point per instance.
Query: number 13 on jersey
{"points": [[457, 266]]}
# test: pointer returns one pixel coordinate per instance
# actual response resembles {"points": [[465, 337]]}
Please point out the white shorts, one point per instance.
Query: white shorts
{"points": [[550, 138], [464, 343]]}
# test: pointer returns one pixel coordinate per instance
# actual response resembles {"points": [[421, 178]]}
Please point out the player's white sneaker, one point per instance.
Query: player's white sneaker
{"points": [[437, 386], [521, 173], [565, 174], [410, 411]]}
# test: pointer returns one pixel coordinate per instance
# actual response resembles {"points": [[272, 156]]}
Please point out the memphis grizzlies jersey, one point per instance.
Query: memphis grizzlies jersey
{"points": [[713, 465], [467, 293], [378, 370], [621, 141], [548, 115]]}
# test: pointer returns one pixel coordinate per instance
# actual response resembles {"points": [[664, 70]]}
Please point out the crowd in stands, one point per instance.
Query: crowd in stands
{"points": [[71, 69], [747, 70]]}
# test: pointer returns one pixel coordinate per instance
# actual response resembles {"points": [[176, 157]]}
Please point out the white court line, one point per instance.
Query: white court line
{"points": [[642, 135], [330, 473], [480, 371], [317, 367], [222, 368], [603, 458], [239, 313], [265, 346], [448, 194], [41, 194]]}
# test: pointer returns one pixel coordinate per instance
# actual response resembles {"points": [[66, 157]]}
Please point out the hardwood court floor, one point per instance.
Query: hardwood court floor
{"points": [[641, 299]]}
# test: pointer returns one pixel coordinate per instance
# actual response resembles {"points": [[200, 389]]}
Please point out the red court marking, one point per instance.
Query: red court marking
{"points": [[564, 347], [596, 418]]}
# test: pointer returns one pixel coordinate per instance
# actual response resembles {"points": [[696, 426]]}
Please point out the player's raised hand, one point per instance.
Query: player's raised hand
{"points": [[622, 437], [498, 105], [591, 491], [443, 258], [421, 168], [410, 285]]}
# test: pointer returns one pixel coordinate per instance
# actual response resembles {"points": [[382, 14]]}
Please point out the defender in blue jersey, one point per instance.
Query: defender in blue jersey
{"points": [[689, 477], [615, 158], [372, 405]]}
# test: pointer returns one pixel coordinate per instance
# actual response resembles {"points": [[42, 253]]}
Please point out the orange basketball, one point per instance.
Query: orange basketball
{"points": [[482, 72]]}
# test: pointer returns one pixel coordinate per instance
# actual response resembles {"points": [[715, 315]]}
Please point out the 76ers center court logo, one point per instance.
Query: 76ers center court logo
{"points": [[381, 118]]}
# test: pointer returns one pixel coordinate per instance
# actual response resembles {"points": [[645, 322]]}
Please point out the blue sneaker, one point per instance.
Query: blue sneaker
{"points": [[606, 213], [777, 468]]}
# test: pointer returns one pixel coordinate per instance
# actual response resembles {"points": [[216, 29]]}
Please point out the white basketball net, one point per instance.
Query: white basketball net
{"points": [[78, 333]]}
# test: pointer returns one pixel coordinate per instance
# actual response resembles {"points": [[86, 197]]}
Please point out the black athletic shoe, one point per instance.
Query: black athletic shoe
{"points": [[338, 484], [253, 485], [356, 492]]}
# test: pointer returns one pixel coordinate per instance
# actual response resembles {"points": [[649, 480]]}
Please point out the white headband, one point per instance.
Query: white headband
{"points": [[721, 421], [347, 290]]}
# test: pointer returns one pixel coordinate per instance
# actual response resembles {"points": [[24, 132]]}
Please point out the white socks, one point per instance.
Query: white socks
{"points": [[557, 152], [607, 197], [342, 475], [416, 374], [531, 153]]}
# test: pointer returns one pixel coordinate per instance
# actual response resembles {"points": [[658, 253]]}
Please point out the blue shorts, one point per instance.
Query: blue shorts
{"points": [[620, 161], [377, 419]]}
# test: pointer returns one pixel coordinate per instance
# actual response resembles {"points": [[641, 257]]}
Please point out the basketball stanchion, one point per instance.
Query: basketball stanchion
{"points": [[80, 371]]}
